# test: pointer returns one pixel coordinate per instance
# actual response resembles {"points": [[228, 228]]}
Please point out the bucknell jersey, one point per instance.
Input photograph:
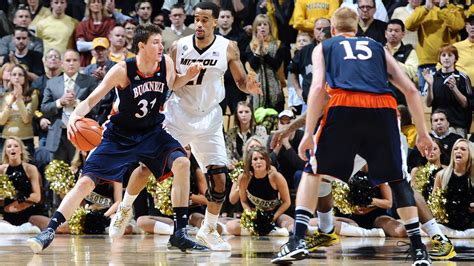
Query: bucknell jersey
{"points": [[137, 106], [206, 90]]}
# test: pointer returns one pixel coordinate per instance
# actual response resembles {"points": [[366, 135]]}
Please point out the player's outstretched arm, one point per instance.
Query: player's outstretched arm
{"points": [[406, 86], [316, 101], [285, 132], [245, 83], [115, 77]]}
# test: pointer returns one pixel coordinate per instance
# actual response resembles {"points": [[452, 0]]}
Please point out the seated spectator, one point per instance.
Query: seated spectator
{"points": [[177, 29], [22, 18], [31, 60], [440, 131], [450, 90], [57, 30], [285, 153], [130, 26], [26, 180], [118, 51], [159, 20], [465, 49], [188, 10], [95, 24], [19, 105], [402, 13], [143, 9]]}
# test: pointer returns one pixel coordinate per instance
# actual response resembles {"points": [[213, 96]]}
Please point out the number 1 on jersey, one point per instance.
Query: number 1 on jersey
{"points": [[199, 78]]}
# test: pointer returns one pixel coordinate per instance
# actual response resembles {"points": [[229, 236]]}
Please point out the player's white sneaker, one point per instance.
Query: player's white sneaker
{"points": [[209, 237], [120, 221]]}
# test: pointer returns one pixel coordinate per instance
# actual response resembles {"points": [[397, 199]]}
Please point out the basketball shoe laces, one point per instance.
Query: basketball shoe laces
{"points": [[46, 236], [121, 218], [215, 235]]}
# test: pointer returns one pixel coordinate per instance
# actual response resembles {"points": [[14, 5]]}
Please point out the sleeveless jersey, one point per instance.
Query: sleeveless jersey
{"points": [[207, 90], [137, 106], [356, 64]]}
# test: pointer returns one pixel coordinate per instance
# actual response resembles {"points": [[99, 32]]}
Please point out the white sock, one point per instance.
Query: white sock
{"points": [[351, 230], [161, 228], [325, 221], [431, 228], [453, 233], [210, 219], [6, 228], [128, 199]]}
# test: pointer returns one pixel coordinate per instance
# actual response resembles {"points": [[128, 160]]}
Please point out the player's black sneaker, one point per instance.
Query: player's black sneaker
{"points": [[420, 257], [294, 249], [180, 240], [41, 241]]}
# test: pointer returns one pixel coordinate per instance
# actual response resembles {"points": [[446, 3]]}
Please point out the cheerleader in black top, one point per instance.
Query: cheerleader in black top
{"points": [[263, 188], [26, 180], [458, 181]]}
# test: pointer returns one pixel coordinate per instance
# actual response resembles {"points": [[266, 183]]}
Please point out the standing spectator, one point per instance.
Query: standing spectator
{"points": [[22, 18], [30, 59], [265, 61], [368, 25], [52, 62], [61, 96], [38, 12], [402, 13], [144, 10], [380, 10], [405, 54], [19, 105], [95, 24], [130, 26], [188, 10], [437, 24], [466, 50], [57, 30], [117, 51], [227, 28], [301, 63], [280, 14], [98, 70], [177, 28], [308, 11], [450, 90]]}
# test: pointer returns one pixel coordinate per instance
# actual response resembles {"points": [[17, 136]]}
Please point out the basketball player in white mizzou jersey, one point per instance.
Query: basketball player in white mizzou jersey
{"points": [[193, 115]]}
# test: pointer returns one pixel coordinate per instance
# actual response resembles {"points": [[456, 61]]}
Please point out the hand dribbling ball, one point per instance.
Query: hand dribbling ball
{"points": [[88, 134]]}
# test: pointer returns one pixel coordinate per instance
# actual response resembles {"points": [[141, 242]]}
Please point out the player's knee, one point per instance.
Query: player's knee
{"points": [[182, 163], [215, 178], [403, 194], [85, 184], [143, 171]]}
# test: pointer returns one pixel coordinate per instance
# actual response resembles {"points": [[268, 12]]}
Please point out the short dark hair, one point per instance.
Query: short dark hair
{"points": [[227, 9], [22, 7], [398, 22], [179, 6], [439, 111], [140, 2], [209, 6], [21, 29], [142, 33]]}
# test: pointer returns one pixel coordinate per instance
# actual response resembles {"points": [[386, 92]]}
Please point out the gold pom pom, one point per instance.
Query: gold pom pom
{"points": [[60, 177], [77, 220], [340, 192], [238, 170], [7, 189], [161, 192], [422, 177], [247, 221], [437, 202]]}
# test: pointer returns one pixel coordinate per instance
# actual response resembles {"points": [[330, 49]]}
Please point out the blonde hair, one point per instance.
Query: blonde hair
{"points": [[87, 12], [259, 19], [245, 148], [345, 20], [25, 155], [448, 171]]}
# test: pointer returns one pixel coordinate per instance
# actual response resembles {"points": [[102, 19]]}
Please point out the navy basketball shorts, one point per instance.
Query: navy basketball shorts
{"points": [[109, 161], [364, 124]]}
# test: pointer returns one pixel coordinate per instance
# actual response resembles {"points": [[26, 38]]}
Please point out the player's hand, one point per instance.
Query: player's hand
{"points": [[306, 144], [71, 126], [278, 136], [194, 69], [253, 86], [424, 143]]}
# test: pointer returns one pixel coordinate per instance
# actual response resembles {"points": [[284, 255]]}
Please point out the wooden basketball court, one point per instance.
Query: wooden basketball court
{"points": [[150, 249]]}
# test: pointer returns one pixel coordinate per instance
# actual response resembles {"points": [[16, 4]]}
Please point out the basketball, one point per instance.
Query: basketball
{"points": [[88, 134]]}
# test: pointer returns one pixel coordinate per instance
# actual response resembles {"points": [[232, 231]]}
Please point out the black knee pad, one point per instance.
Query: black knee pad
{"points": [[403, 194], [211, 194]]}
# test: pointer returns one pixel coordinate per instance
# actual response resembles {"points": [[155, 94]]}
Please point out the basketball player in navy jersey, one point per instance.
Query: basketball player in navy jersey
{"points": [[357, 70], [133, 133]]}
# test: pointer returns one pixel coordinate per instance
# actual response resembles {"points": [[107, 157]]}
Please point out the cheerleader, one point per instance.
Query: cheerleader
{"points": [[26, 180]]}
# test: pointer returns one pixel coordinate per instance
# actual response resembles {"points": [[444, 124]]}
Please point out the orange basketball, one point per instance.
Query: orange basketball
{"points": [[88, 134]]}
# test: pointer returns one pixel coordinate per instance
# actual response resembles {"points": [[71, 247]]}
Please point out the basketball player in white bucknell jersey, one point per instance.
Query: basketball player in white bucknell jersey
{"points": [[193, 115]]}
